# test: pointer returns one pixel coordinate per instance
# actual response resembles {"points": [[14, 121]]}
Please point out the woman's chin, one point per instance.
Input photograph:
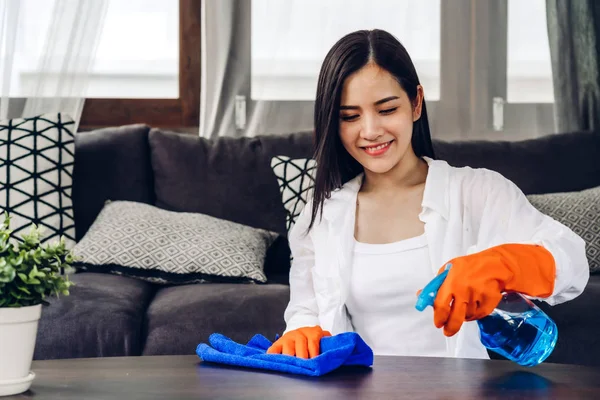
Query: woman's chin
{"points": [[378, 166]]}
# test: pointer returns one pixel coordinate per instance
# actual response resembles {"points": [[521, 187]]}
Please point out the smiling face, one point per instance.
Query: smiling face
{"points": [[376, 120]]}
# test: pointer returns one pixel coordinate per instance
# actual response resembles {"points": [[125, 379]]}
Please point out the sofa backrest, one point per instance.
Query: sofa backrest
{"points": [[550, 164], [231, 177], [110, 164], [228, 178]]}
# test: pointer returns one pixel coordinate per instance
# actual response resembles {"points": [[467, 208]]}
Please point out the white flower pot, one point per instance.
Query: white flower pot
{"points": [[18, 330]]}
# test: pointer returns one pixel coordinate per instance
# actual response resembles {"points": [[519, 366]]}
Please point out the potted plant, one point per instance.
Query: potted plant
{"points": [[29, 272]]}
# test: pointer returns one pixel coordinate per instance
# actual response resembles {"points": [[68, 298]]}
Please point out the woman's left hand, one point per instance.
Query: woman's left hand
{"points": [[475, 283]]}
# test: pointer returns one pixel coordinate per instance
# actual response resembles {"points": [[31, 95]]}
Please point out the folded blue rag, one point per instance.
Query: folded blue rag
{"points": [[336, 351]]}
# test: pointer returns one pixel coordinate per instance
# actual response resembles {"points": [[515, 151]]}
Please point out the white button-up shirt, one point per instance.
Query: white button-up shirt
{"points": [[465, 210]]}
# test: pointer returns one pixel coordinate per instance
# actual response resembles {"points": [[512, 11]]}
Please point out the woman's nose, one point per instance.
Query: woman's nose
{"points": [[371, 128]]}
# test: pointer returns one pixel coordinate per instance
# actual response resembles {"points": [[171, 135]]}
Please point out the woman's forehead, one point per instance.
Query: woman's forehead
{"points": [[368, 83]]}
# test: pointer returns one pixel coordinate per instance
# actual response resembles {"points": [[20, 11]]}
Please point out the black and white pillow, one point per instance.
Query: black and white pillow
{"points": [[296, 179], [36, 175], [161, 246], [580, 211]]}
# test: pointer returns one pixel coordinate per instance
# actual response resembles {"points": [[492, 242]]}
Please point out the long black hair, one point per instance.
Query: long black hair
{"points": [[335, 166]]}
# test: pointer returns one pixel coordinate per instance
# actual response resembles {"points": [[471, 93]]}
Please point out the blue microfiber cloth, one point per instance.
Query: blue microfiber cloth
{"points": [[336, 351]]}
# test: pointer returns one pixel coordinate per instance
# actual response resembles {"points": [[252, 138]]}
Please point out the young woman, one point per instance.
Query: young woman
{"points": [[386, 216]]}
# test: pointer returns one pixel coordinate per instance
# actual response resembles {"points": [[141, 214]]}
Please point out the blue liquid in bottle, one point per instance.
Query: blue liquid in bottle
{"points": [[518, 330]]}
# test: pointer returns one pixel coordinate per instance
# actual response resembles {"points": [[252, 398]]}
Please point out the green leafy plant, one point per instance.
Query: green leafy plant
{"points": [[30, 271]]}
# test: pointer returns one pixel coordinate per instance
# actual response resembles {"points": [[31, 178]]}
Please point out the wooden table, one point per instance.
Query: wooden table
{"points": [[185, 377]]}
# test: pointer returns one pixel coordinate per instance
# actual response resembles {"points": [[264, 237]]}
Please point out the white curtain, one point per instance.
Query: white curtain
{"points": [[231, 104], [484, 65], [217, 63], [47, 51]]}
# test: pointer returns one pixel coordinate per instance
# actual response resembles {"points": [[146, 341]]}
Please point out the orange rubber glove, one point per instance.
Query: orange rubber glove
{"points": [[475, 283], [303, 342]]}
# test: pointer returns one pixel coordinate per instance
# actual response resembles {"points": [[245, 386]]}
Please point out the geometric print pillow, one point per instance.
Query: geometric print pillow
{"points": [[296, 182], [36, 175], [167, 247], [580, 211]]}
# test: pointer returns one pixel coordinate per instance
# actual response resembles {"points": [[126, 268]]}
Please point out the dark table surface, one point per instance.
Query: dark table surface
{"points": [[186, 377]]}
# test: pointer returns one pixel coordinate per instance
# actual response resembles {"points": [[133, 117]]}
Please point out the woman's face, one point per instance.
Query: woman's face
{"points": [[376, 119]]}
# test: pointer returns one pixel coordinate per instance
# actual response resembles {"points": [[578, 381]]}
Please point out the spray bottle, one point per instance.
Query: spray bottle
{"points": [[517, 329]]}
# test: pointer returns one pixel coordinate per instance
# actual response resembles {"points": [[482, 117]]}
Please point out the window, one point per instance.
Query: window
{"points": [[148, 68], [287, 50], [137, 56], [529, 72], [28, 46], [138, 53], [484, 64]]}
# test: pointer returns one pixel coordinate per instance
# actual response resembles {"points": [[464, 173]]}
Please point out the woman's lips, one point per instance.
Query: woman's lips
{"points": [[377, 150]]}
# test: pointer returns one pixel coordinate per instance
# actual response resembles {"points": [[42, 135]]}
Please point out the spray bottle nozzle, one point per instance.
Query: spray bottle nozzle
{"points": [[427, 296]]}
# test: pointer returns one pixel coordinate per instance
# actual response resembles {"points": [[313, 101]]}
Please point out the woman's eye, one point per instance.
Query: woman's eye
{"points": [[388, 111], [349, 117]]}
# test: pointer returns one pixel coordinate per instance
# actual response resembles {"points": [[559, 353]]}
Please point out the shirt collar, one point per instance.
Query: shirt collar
{"points": [[435, 196]]}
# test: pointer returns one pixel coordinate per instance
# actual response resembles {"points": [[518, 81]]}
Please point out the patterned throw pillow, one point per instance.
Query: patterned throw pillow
{"points": [[36, 166], [149, 243], [580, 211], [296, 181]]}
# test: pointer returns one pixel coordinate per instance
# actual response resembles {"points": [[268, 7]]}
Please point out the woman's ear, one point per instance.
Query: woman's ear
{"points": [[418, 104]]}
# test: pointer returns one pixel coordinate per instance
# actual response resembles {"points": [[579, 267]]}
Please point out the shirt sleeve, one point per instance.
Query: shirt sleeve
{"points": [[505, 215], [302, 309]]}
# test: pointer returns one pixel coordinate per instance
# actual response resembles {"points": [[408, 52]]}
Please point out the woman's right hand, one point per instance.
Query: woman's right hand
{"points": [[303, 342]]}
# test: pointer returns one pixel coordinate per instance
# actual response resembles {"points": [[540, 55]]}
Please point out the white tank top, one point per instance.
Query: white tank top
{"points": [[383, 285]]}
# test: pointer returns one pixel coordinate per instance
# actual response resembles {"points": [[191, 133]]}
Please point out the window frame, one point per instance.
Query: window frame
{"points": [[182, 112]]}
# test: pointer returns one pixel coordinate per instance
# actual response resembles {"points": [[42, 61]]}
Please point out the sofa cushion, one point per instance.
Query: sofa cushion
{"points": [[102, 317], [580, 211], [143, 241], [36, 167], [228, 178], [180, 317], [110, 164], [296, 182]]}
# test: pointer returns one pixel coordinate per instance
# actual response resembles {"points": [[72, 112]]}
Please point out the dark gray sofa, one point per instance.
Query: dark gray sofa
{"points": [[108, 315]]}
